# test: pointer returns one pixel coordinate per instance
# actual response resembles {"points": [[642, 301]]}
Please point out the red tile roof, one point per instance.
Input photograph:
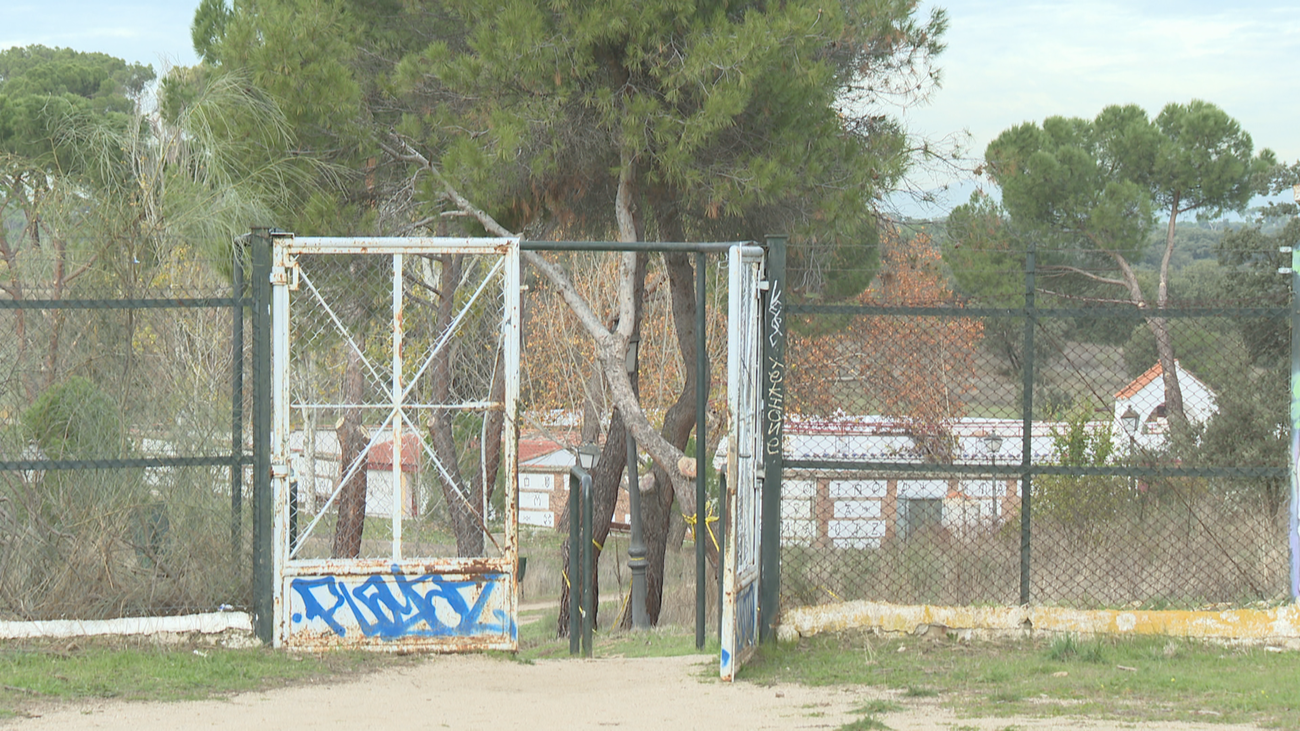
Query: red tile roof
{"points": [[1140, 382], [534, 448], [380, 456]]}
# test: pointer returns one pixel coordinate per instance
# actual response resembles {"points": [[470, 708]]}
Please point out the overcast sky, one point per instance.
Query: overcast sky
{"points": [[1008, 61], [1012, 61]]}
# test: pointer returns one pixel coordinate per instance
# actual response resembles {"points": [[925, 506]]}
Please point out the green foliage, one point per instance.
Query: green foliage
{"points": [[727, 114], [866, 723], [41, 88], [208, 28], [1251, 425], [1205, 347], [299, 58], [76, 420], [1083, 505], [297, 52], [1088, 192]]}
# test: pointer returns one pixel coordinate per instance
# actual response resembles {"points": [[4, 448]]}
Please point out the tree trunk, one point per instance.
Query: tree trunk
{"points": [[353, 439], [679, 421], [1174, 411], [606, 477], [464, 501], [1159, 327], [485, 477], [604, 483]]}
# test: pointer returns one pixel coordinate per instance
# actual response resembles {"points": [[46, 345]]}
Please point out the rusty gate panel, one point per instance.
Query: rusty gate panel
{"points": [[439, 606], [394, 443]]}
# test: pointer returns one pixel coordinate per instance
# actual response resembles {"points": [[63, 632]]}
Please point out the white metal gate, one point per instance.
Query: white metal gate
{"points": [[395, 367], [744, 458]]}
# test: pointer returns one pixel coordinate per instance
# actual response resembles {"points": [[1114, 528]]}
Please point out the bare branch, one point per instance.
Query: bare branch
{"points": [[611, 347], [1090, 275]]}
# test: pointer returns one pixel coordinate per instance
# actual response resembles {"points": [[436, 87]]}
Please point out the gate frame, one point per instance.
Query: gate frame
{"points": [[268, 494], [742, 583], [481, 571]]}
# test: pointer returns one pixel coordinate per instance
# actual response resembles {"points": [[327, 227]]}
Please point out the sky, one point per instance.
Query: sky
{"points": [[1014, 61], [1007, 61]]}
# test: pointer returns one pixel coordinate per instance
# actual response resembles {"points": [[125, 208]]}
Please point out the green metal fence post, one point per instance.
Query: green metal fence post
{"points": [[588, 569], [701, 446], [263, 510], [1027, 427], [773, 424], [574, 570], [237, 404], [1293, 534]]}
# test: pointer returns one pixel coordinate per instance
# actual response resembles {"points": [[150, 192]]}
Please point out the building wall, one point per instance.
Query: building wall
{"points": [[544, 495], [865, 511]]}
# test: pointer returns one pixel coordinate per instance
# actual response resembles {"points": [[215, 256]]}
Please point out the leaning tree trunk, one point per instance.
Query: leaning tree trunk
{"points": [[1174, 412], [353, 440], [1159, 327], [605, 478]]}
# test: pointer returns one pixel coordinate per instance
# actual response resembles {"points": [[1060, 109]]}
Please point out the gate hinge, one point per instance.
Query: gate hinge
{"points": [[279, 471], [286, 275]]}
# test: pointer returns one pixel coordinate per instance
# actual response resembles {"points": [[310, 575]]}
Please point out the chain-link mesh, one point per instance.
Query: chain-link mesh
{"points": [[907, 463], [342, 345], [121, 405]]}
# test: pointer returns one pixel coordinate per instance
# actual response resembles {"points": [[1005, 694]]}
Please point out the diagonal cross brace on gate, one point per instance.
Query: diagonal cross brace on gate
{"points": [[395, 593]]}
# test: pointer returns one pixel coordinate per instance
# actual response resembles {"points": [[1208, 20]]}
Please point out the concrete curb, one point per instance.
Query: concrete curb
{"points": [[209, 624], [1274, 626]]}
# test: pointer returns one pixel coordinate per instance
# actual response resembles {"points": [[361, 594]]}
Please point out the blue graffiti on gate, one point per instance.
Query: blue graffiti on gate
{"points": [[394, 606], [747, 617]]}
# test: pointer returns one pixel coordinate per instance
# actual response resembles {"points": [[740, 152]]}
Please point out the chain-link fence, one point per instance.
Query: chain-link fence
{"points": [[1046, 446], [122, 438]]}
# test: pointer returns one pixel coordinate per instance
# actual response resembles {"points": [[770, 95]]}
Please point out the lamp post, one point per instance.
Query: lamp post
{"points": [[588, 455], [580, 568], [1129, 421], [993, 442], [636, 550]]}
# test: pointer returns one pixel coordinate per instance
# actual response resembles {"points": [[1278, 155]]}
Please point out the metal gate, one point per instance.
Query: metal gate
{"points": [[395, 382], [744, 458]]}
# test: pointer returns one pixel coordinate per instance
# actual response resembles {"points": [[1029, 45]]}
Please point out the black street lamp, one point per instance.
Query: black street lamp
{"points": [[1129, 420], [993, 442], [636, 550]]}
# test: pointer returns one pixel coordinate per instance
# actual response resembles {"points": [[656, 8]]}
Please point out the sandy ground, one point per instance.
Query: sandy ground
{"points": [[474, 692]]}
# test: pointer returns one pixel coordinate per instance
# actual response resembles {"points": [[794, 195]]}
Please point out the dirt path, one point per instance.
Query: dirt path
{"points": [[473, 692]]}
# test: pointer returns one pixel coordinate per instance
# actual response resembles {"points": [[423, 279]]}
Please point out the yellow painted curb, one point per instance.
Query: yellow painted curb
{"points": [[1279, 625]]}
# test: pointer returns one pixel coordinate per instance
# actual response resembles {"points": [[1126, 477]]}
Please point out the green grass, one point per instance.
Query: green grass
{"points": [[866, 723], [880, 706], [43, 673], [1143, 679]]}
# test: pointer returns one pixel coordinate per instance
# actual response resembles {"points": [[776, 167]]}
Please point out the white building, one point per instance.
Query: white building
{"points": [[1143, 401]]}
